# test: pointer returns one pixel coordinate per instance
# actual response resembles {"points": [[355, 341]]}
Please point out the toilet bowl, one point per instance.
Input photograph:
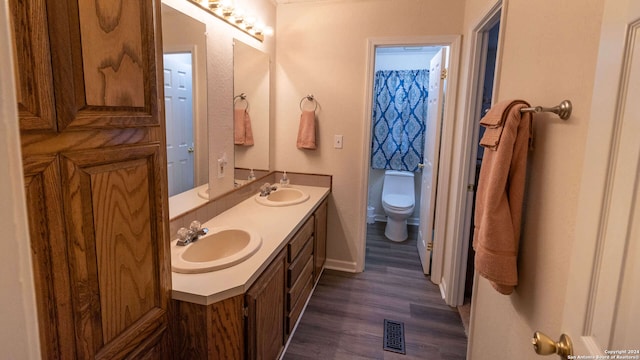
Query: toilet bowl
{"points": [[398, 201]]}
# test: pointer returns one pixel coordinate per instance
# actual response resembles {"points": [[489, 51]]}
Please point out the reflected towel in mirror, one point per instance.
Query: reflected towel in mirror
{"points": [[243, 135], [307, 130]]}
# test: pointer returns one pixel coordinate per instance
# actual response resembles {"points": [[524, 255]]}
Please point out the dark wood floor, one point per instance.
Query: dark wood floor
{"points": [[344, 318]]}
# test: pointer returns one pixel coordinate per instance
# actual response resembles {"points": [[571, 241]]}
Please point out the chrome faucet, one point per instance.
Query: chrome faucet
{"points": [[192, 234], [266, 189]]}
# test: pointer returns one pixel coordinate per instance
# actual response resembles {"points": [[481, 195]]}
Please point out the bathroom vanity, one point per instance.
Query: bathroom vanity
{"points": [[249, 310]]}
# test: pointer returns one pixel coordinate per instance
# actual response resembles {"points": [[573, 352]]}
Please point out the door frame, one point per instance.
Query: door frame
{"points": [[455, 262], [446, 144]]}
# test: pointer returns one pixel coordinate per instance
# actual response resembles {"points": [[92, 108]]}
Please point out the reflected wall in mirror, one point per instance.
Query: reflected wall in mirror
{"points": [[251, 79], [185, 89]]}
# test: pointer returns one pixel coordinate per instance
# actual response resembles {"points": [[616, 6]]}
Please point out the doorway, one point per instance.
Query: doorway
{"points": [[399, 138], [178, 101], [436, 42]]}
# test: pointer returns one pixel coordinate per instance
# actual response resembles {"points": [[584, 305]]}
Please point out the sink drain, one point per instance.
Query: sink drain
{"points": [[394, 336]]}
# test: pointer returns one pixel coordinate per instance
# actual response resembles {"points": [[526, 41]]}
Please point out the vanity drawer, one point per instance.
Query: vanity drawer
{"points": [[296, 267], [300, 239], [295, 312], [296, 290]]}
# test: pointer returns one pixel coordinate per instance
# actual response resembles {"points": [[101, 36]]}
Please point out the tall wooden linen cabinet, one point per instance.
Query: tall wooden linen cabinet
{"points": [[88, 78]]}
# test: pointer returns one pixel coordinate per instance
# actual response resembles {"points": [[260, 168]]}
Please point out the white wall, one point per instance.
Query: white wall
{"points": [[18, 330], [322, 49], [549, 54], [397, 59]]}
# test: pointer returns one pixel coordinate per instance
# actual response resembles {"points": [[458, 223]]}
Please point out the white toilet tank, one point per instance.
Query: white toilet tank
{"points": [[398, 182]]}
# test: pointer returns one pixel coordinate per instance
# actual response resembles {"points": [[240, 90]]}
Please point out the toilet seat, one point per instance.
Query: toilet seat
{"points": [[397, 202]]}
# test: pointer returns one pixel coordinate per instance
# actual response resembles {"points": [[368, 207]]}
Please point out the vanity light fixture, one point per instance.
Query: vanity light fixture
{"points": [[224, 10]]}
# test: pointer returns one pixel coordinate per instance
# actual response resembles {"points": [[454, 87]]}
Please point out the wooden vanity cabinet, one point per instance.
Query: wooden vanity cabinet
{"points": [[257, 324], [265, 312]]}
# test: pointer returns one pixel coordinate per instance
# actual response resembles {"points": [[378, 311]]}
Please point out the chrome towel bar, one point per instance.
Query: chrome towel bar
{"points": [[563, 110]]}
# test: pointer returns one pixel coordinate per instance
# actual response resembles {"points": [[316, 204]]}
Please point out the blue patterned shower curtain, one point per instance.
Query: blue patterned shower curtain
{"points": [[399, 114]]}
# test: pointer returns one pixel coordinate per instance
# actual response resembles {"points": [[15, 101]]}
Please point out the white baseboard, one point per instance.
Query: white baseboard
{"points": [[339, 265]]}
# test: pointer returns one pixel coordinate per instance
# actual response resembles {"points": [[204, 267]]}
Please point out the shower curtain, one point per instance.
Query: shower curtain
{"points": [[399, 114]]}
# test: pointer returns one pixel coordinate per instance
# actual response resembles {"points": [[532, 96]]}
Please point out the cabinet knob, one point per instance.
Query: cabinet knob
{"points": [[544, 345]]}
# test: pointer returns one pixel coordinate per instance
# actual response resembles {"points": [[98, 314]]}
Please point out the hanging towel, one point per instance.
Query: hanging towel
{"points": [[307, 130], [500, 195], [243, 135]]}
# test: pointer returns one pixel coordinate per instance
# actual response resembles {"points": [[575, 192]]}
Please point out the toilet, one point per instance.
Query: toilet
{"points": [[398, 201]]}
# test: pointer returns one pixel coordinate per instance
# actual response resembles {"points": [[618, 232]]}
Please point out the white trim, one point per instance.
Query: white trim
{"points": [[446, 146], [345, 266], [474, 307], [443, 287], [459, 232], [19, 333]]}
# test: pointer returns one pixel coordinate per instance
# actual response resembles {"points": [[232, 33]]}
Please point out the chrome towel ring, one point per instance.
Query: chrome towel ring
{"points": [[309, 98], [239, 98]]}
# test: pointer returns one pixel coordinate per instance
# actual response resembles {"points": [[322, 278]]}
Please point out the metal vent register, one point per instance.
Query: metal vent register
{"points": [[394, 336]]}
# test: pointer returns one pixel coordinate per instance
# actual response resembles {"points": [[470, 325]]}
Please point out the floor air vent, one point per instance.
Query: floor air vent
{"points": [[394, 336]]}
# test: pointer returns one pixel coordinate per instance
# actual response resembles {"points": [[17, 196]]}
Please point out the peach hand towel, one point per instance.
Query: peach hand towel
{"points": [[242, 133], [500, 195], [307, 130]]}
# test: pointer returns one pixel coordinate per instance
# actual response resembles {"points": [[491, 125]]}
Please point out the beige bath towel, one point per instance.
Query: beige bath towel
{"points": [[243, 135], [307, 130], [500, 194]]}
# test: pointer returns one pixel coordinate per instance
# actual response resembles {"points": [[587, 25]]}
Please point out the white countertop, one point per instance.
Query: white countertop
{"points": [[276, 225], [186, 201]]}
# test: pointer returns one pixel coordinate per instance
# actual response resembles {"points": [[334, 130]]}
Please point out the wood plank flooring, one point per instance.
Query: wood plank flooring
{"points": [[344, 318]]}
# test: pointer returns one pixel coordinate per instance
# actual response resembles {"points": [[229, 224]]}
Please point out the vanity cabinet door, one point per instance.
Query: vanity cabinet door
{"points": [[94, 156], [265, 321], [320, 240]]}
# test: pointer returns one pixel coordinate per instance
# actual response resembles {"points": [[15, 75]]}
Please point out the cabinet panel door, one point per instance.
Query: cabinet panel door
{"points": [[320, 245], [116, 257], [265, 324], [105, 54], [49, 254], [93, 146], [34, 79]]}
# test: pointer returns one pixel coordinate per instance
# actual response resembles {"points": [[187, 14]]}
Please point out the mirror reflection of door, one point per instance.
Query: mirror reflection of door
{"points": [[178, 99]]}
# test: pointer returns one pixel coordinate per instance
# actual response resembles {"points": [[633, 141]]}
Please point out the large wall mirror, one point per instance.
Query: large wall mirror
{"points": [[185, 89], [251, 110]]}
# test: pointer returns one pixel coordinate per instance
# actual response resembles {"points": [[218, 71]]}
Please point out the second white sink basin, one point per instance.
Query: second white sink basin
{"points": [[219, 249], [283, 197]]}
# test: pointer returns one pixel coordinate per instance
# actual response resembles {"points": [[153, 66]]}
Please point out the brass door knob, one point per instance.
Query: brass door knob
{"points": [[421, 166], [190, 149], [544, 345]]}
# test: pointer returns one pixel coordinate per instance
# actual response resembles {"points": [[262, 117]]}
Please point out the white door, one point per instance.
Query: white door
{"points": [[602, 312], [431, 156], [178, 100]]}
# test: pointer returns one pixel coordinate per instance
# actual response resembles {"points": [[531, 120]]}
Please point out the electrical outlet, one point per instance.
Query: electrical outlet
{"points": [[220, 168], [338, 141]]}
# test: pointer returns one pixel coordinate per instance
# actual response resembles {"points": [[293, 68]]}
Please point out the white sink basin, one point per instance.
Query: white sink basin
{"points": [[222, 248], [204, 193], [283, 197]]}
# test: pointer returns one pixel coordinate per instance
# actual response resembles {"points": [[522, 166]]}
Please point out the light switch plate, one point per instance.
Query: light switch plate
{"points": [[338, 141]]}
